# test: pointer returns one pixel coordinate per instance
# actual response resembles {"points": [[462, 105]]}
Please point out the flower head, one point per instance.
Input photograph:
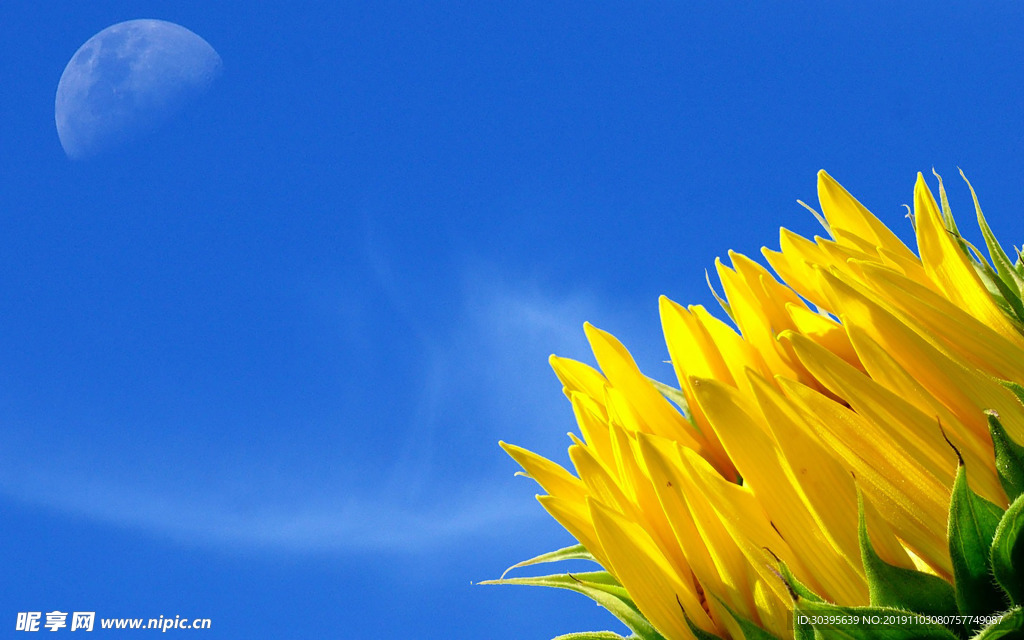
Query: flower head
{"points": [[811, 445]]}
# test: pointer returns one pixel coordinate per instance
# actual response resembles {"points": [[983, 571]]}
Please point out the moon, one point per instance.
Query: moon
{"points": [[128, 79]]}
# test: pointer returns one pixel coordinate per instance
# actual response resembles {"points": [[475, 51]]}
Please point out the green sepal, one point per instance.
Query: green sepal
{"points": [[802, 630], [721, 301], [1009, 454], [675, 396], [833, 622], [899, 588], [972, 526], [797, 588], [947, 213], [1007, 555], [1003, 294], [1015, 388], [1010, 625], [602, 588], [1006, 297], [575, 552], [799, 592], [751, 630], [1000, 260], [590, 635], [820, 218], [697, 632]]}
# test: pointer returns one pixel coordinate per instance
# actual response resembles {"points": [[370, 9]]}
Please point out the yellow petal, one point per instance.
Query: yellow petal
{"points": [[828, 488], [553, 478], [575, 518], [635, 479], [951, 269], [735, 580], [751, 447], [746, 524], [773, 614], [844, 211], [738, 354], [577, 376], [959, 331], [824, 331], [964, 390], [652, 408], [906, 496], [912, 269], [915, 435], [884, 369], [772, 295], [853, 241], [647, 575], [692, 349], [793, 261], [663, 473], [593, 422], [839, 254], [754, 322], [602, 483]]}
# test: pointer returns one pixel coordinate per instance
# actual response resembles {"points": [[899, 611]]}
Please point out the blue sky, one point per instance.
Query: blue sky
{"points": [[254, 366]]}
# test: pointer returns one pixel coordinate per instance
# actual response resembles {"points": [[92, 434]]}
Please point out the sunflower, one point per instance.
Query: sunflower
{"points": [[842, 461]]}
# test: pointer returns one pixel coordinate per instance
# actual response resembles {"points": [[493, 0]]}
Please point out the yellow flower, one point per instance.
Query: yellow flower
{"points": [[851, 377]]}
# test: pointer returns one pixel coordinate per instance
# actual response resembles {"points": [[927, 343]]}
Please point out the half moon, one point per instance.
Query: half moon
{"points": [[127, 79]]}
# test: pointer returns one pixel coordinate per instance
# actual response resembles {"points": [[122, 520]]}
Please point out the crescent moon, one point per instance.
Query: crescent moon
{"points": [[127, 79]]}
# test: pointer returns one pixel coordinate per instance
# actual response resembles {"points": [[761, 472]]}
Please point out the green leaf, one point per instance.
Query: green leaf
{"points": [[907, 589], [575, 552], [1007, 554], [972, 527], [590, 635], [833, 622], [751, 631], [602, 588], [1010, 626], [1009, 455]]}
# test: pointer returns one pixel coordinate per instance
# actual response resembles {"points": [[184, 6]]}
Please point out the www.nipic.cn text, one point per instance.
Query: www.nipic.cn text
{"points": [[86, 621]]}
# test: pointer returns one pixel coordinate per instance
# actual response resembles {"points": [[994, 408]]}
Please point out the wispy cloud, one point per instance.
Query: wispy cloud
{"points": [[343, 525], [484, 377]]}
